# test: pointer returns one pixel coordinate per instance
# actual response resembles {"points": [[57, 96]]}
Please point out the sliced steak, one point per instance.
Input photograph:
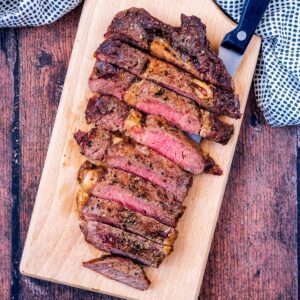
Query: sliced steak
{"points": [[129, 156], [186, 46], [151, 98], [150, 131], [148, 164], [131, 191], [120, 269], [107, 112], [144, 66], [117, 241], [115, 214], [94, 143], [158, 135]]}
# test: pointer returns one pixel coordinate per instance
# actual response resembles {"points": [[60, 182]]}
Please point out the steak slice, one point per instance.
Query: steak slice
{"points": [[131, 191], [115, 214], [107, 112], [186, 46], [117, 241], [120, 269], [158, 135], [148, 164], [129, 156], [177, 147], [94, 143], [144, 66], [151, 98]]}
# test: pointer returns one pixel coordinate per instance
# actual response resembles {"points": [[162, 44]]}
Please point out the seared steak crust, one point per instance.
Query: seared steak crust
{"points": [[94, 143], [151, 98], [107, 112], [131, 191], [144, 66], [120, 269], [186, 46], [115, 214], [117, 241]]}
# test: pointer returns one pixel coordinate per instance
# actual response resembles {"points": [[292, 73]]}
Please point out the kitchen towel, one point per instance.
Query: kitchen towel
{"points": [[277, 76], [17, 13]]}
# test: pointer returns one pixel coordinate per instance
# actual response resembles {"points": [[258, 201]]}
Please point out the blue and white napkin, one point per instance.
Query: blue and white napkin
{"points": [[277, 76]]}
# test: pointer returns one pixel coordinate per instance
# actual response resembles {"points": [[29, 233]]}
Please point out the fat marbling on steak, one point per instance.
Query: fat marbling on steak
{"points": [[114, 214], [138, 63], [186, 46], [131, 191], [117, 241], [152, 98], [123, 153], [120, 269], [151, 130]]}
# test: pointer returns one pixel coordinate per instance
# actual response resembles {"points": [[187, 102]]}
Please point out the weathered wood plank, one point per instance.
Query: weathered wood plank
{"points": [[254, 252], [7, 68]]}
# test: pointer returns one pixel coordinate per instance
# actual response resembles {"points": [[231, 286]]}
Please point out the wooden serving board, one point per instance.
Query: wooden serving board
{"points": [[55, 247]]}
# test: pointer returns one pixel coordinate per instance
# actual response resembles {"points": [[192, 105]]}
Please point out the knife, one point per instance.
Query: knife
{"points": [[235, 42]]}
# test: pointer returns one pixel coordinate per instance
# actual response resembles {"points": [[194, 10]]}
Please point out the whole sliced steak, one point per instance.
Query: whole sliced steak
{"points": [[151, 98], [131, 191], [120, 269], [117, 241], [148, 130], [129, 156], [144, 66], [186, 46], [115, 214]]}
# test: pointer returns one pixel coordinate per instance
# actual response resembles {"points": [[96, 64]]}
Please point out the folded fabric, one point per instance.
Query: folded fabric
{"points": [[17, 13], [277, 76]]}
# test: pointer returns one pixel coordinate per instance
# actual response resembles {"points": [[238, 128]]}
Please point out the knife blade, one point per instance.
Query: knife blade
{"points": [[235, 42]]}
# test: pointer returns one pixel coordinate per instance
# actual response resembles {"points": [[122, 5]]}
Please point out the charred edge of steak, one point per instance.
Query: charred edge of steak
{"points": [[131, 191], [149, 97], [214, 129], [107, 79], [211, 167], [116, 241], [188, 45], [190, 40], [107, 112], [93, 144], [115, 214], [122, 55], [142, 65], [120, 269]]}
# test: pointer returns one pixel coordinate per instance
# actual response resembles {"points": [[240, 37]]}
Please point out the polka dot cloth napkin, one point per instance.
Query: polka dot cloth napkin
{"points": [[277, 76], [15, 13]]}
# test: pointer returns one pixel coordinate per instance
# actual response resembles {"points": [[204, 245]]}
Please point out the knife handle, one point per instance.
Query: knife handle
{"points": [[239, 38]]}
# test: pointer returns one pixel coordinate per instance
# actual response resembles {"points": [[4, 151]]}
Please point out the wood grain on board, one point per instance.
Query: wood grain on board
{"points": [[55, 248], [241, 262]]}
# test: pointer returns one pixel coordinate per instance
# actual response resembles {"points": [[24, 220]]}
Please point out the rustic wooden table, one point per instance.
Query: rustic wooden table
{"points": [[254, 252]]}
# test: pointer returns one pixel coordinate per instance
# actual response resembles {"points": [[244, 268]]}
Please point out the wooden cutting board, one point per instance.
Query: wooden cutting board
{"points": [[55, 247]]}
